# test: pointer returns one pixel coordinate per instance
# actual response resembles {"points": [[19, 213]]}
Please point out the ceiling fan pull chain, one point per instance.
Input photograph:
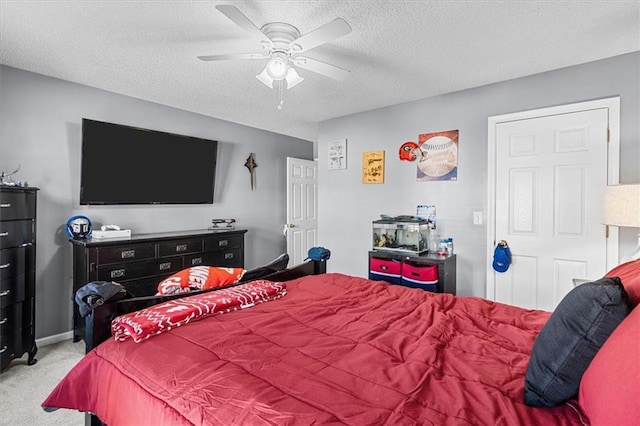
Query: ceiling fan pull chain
{"points": [[280, 83]]}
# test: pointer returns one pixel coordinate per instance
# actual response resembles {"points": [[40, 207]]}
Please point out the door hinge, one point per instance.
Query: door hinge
{"points": [[606, 231], [608, 135]]}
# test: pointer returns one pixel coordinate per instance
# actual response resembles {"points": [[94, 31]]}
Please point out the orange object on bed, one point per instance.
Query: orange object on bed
{"points": [[199, 278]]}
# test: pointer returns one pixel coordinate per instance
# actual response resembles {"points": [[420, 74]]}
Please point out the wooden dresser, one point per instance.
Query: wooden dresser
{"points": [[140, 262], [17, 274]]}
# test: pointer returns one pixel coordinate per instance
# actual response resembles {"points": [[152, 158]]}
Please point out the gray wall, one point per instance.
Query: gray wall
{"points": [[40, 128], [345, 226]]}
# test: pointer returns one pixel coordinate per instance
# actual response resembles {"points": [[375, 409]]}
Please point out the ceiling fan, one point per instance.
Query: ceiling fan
{"points": [[282, 43]]}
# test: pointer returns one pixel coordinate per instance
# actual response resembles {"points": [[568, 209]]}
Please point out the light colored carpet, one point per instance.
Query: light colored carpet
{"points": [[24, 387]]}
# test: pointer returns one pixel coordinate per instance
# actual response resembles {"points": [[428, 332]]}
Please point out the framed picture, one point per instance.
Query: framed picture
{"points": [[373, 167], [438, 156], [338, 155]]}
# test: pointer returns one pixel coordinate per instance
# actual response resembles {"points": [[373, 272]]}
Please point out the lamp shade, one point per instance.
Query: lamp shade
{"points": [[622, 205], [265, 78], [293, 78]]}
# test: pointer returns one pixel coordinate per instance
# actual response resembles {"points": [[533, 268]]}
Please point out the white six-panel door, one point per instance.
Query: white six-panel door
{"points": [[549, 175], [302, 208]]}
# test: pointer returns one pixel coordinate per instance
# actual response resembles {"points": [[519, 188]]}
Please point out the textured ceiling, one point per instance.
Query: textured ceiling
{"points": [[399, 51]]}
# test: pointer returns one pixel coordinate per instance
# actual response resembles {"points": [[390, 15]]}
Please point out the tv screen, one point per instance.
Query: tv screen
{"points": [[129, 165]]}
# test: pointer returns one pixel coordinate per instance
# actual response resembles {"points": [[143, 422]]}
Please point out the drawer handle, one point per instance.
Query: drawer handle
{"points": [[126, 254], [3, 321], [4, 348], [165, 266], [181, 247], [5, 205], [3, 234], [228, 256], [223, 243], [5, 266], [117, 273], [196, 261], [5, 293]]}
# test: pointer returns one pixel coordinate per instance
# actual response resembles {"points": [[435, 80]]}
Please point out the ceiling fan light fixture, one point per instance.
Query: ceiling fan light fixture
{"points": [[281, 43], [265, 79], [277, 68], [293, 78]]}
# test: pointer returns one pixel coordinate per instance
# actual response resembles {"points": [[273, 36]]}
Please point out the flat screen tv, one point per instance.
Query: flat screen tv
{"points": [[130, 165]]}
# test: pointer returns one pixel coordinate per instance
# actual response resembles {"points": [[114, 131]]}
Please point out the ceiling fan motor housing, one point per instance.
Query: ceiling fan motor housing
{"points": [[281, 34]]}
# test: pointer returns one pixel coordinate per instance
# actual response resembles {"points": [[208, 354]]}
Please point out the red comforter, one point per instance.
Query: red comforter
{"points": [[335, 350]]}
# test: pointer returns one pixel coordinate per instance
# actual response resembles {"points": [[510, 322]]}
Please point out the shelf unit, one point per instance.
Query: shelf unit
{"points": [[446, 266]]}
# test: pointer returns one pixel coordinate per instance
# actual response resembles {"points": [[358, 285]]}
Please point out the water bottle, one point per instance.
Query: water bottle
{"points": [[443, 247]]}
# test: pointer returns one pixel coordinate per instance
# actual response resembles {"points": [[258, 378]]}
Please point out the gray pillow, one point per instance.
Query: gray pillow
{"points": [[569, 340]]}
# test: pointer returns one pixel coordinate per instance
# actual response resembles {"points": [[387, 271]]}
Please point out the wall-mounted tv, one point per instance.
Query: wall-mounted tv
{"points": [[129, 165]]}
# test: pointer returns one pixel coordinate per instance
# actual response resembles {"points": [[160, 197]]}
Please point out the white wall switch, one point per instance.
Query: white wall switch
{"points": [[477, 218]]}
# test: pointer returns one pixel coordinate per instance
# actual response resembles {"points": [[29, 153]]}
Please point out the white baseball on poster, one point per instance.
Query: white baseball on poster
{"points": [[438, 156]]}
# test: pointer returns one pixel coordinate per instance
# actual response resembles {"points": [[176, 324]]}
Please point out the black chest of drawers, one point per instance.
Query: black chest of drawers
{"points": [[17, 274], [139, 263]]}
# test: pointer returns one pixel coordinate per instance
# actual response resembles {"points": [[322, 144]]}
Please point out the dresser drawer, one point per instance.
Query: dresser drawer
{"points": [[16, 232], [131, 270], [173, 248], [10, 317], [13, 262], [12, 290], [194, 260], [223, 242], [17, 205], [10, 346], [231, 258], [126, 253]]}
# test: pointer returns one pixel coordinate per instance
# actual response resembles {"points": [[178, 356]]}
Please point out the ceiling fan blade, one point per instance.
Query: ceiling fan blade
{"points": [[324, 34], [243, 22], [233, 56], [321, 68]]}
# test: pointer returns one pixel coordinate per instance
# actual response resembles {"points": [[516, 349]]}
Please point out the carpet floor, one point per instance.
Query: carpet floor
{"points": [[24, 387]]}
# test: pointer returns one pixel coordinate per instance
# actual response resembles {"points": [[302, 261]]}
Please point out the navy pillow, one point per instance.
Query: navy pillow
{"points": [[569, 340]]}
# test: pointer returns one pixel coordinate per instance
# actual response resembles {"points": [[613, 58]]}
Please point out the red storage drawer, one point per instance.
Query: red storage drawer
{"points": [[389, 270], [420, 276]]}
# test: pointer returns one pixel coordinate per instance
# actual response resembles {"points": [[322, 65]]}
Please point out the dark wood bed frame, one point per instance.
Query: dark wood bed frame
{"points": [[98, 324]]}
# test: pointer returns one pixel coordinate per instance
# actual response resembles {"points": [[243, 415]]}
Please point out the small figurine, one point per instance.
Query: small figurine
{"points": [[251, 165], [4, 177]]}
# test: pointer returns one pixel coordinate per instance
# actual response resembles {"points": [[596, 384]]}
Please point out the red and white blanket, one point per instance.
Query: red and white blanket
{"points": [[142, 324]]}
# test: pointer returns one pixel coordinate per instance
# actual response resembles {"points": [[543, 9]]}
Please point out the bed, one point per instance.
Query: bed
{"points": [[338, 349]]}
